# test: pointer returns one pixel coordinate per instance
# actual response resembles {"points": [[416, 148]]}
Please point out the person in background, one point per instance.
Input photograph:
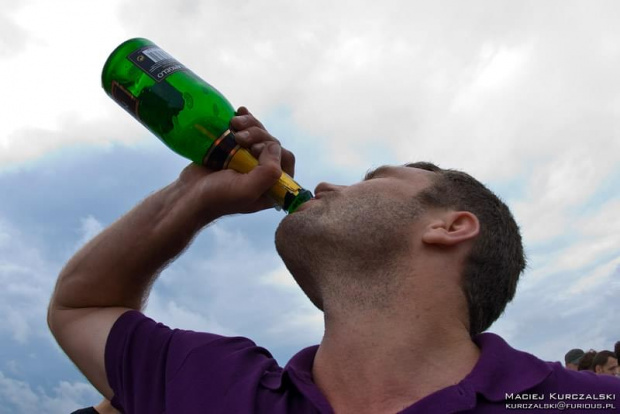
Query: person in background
{"points": [[586, 361], [572, 358], [605, 363]]}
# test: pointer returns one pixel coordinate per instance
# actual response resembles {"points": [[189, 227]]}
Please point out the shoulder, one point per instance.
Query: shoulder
{"points": [[152, 366], [502, 369], [136, 334]]}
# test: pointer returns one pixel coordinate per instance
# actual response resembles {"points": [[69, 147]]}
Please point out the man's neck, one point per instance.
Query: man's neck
{"points": [[385, 360]]}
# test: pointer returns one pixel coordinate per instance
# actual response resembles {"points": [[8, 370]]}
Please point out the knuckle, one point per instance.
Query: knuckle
{"points": [[258, 134], [273, 171], [258, 148]]}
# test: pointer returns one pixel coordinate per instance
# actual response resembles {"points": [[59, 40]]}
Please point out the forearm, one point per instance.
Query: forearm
{"points": [[117, 268], [113, 272]]}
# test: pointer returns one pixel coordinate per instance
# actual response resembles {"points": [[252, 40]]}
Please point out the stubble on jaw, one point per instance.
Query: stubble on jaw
{"points": [[348, 250]]}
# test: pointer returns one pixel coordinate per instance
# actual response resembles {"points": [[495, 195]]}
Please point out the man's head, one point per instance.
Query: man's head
{"points": [[617, 350], [605, 362], [373, 225], [497, 259], [572, 358], [585, 363]]}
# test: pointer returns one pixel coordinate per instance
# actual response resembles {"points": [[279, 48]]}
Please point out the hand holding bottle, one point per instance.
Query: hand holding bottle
{"points": [[188, 115], [213, 194], [250, 133]]}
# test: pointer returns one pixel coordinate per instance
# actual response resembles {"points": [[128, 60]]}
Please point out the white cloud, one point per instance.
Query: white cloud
{"points": [[26, 278], [411, 80], [300, 323], [13, 37], [587, 251], [89, 228], [497, 70], [596, 279], [489, 87], [56, 97], [503, 65], [280, 277], [26, 143], [19, 397], [566, 311], [557, 189], [178, 316], [231, 282]]}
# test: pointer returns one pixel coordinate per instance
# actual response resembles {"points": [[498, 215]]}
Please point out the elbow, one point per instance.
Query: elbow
{"points": [[52, 315], [54, 310], [56, 305]]}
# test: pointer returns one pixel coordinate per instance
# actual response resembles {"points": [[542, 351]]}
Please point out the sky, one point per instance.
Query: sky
{"points": [[521, 94]]}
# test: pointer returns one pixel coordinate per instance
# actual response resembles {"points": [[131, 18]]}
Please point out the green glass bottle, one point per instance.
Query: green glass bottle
{"points": [[190, 116]]}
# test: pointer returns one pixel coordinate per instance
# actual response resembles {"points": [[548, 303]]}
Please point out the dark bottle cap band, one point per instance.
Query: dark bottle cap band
{"points": [[221, 151]]}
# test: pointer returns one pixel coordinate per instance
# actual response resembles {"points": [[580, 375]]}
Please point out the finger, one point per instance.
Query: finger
{"points": [[253, 135], [287, 157], [288, 162], [256, 149], [244, 120], [266, 174], [242, 111]]}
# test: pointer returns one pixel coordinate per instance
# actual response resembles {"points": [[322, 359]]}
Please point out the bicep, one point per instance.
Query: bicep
{"points": [[82, 334]]}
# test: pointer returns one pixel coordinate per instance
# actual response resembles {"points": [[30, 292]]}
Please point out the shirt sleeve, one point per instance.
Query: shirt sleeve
{"points": [[149, 365]]}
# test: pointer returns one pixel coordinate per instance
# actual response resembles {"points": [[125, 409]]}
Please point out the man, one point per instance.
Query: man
{"points": [[585, 363], [572, 358], [407, 265], [605, 363]]}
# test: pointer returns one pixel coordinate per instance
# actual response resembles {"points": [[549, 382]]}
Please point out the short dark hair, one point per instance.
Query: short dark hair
{"points": [[617, 350], [497, 258], [586, 362], [601, 358], [573, 356]]}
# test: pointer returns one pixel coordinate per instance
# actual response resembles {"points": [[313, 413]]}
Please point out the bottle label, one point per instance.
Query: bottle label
{"points": [[155, 62]]}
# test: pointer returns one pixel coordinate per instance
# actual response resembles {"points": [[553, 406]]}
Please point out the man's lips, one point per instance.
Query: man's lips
{"points": [[306, 204]]}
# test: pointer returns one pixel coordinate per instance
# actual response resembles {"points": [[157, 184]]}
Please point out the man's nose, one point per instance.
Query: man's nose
{"points": [[325, 187]]}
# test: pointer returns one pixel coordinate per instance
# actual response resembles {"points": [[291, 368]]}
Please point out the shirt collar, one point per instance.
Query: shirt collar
{"points": [[502, 369], [299, 372], [301, 363]]}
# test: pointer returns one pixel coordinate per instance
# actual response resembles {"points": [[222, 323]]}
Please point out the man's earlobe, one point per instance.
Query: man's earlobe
{"points": [[453, 228]]}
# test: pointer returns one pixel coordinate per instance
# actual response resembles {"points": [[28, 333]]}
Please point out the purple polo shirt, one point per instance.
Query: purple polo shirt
{"points": [[154, 369]]}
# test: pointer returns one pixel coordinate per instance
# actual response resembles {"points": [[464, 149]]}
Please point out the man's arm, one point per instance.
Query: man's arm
{"points": [[113, 272]]}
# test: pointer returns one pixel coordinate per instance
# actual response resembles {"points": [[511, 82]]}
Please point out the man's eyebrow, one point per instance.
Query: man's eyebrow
{"points": [[377, 171], [428, 166]]}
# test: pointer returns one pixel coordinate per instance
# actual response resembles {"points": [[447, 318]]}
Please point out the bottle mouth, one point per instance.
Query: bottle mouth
{"points": [[292, 203]]}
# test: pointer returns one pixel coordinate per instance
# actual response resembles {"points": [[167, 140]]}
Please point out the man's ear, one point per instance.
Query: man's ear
{"points": [[452, 228]]}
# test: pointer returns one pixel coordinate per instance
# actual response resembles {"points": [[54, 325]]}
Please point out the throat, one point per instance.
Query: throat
{"points": [[375, 368]]}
